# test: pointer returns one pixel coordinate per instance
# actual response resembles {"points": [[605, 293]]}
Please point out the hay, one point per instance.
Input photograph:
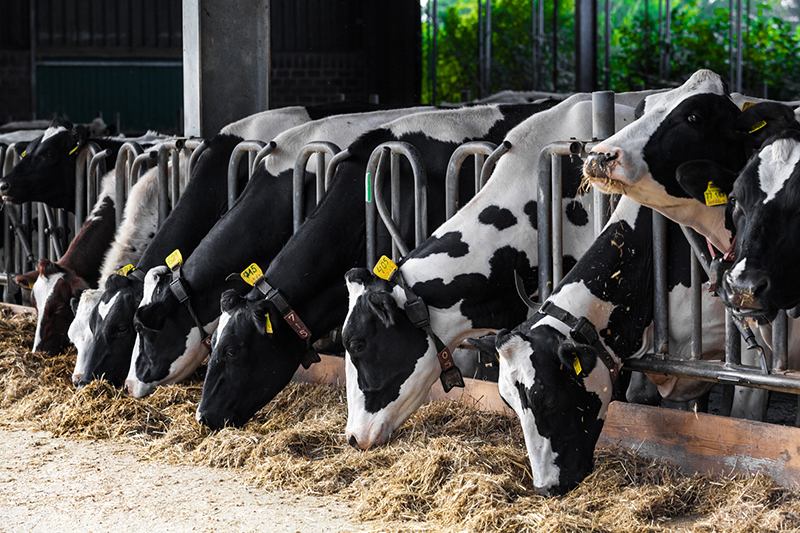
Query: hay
{"points": [[449, 468]]}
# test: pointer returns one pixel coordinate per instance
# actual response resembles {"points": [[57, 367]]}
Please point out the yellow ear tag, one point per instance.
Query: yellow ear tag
{"points": [[577, 366], [757, 126], [174, 260], [269, 324], [127, 269], [23, 154], [385, 268], [714, 195], [74, 149], [250, 275], [747, 104], [30, 286]]}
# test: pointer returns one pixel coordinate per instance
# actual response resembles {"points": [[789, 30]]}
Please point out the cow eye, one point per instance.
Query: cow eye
{"points": [[122, 328], [231, 352], [694, 117], [355, 346]]}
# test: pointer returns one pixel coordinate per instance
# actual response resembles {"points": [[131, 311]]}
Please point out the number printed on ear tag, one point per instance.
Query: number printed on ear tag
{"points": [[757, 126], [174, 260], [251, 274], [127, 269], [576, 364], [714, 195], [384, 268], [269, 324]]}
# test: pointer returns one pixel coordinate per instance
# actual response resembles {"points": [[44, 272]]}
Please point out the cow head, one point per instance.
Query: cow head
{"points": [[695, 121], [763, 207], [561, 392], [108, 324], [46, 173], [254, 355], [52, 288], [382, 394], [162, 354]]}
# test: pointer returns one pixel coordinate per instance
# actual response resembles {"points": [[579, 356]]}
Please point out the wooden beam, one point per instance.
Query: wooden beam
{"points": [[18, 309], [694, 442]]}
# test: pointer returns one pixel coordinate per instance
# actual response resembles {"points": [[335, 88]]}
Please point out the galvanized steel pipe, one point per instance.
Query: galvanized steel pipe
{"points": [[479, 149], [298, 178], [603, 125], [122, 170], [491, 161], [233, 167], [330, 170]]}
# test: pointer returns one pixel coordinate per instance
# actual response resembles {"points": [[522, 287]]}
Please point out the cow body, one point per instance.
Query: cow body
{"points": [[169, 344], [558, 385], [54, 284], [465, 275], [309, 269]]}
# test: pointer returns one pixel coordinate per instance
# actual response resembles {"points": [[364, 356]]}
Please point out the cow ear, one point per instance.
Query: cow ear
{"points": [[763, 120], [264, 315], [383, 305], [578, 359], [48, 268], [229, 300], [485, 344], [151, 316], [361, 276], [115, 282], [73, 304], [80, 134], [701, 176], [28, 279]]}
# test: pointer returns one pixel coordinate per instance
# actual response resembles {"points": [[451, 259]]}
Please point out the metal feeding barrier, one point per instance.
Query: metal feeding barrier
{"points": [[256, 151], [324, 175]]}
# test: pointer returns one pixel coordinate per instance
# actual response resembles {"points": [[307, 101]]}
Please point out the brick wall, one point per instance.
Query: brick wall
{"points": [[305, 79], [15, 85]]}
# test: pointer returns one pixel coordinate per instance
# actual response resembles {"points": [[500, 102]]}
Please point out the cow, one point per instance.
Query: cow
{"points": [[54, 284], [105, 348], [762, 205], [46, 173], [309, 270], [558, 369], [464, 273], [169, 346]]}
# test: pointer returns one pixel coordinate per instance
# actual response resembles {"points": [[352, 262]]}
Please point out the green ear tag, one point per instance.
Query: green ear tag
{"points": [[251, 274], [385, 268], [757, 126], [127, 269], [269, 324], [368, 188], [714, 195], [174, 260], [577, 366]]}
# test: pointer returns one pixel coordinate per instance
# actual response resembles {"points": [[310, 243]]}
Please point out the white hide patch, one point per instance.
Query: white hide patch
{"points": [[80, 333], [104, 307], [267, 125], [224, 320], [52, 132], [778, 162], [738, 269], [43, 287], [449, 125]]}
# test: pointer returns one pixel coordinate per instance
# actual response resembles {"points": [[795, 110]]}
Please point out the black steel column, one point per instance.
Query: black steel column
{"points": [[585, 45]]}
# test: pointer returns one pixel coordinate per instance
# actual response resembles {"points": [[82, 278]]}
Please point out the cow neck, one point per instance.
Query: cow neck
{"points": [[310, 269], [87, 250], [612, 285]]}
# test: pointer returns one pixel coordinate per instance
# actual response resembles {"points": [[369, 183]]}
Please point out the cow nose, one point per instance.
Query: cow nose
{"points": [[353, 442], [744, 290], [128, 387], [596, 164]]}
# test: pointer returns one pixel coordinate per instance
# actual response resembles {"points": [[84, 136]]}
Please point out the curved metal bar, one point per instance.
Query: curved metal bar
{"points": [[298, 178], [198, 146], [264, 152], [476, 148], [147, 157], [163, 182], [122, 170], [376, 160], [97, 168], [491, 161], [51, 226], [332, 165], [233, 166], [85, 156], [175, 182], [420, 194]]}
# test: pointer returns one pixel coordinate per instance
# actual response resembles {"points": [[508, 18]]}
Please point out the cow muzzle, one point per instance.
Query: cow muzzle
{"points": [[598, 165], [744, 295]]}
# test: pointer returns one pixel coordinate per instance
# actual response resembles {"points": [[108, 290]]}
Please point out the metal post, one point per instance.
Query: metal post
{"points": [[733, 341], [434, 51], [585, 45], [477, 148], [607, 39], [697, 308], [780, 344], [491, 161], [298, 178], [487, 40], [163, 184], [233, 166], [661, 298], [603, 125], [554, 53], [394, 187], [667, 38], [122, 170], [739, 46], [731, 47], [557, 224]]}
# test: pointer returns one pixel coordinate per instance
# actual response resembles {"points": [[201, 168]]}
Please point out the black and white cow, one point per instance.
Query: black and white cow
{"points": [[169, 343], [47, 171], [560, 386], [249, 365], [106, 348], [465, 275]]}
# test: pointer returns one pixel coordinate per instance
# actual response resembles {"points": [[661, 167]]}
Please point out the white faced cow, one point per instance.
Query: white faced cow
{"points": [[465, 275]]}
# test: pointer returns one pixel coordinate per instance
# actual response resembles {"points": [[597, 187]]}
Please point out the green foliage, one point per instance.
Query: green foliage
{"points": [[699, 40]]}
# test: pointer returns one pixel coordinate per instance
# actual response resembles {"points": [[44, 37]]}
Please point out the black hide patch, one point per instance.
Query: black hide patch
{"points": [[496, 216], [450, 243], [576, 214], [532, 210]]}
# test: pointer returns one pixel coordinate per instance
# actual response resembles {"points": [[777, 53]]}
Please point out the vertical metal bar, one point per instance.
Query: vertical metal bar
{"points": [[41, 245], [660, 300], [62, 219], [176, 177], [481, 79], [607, 39], [27, 219], [488, 46], [369, 205], [554, 53], [163, 185], [544, 215], [667, 39], [394, 164], [733, 341], [435, 52], [780, 341], [557, 233], [730, 42], [320, 176], [739, 46], [7, 253], [603, 125], [697, 308], [479, 162]]}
